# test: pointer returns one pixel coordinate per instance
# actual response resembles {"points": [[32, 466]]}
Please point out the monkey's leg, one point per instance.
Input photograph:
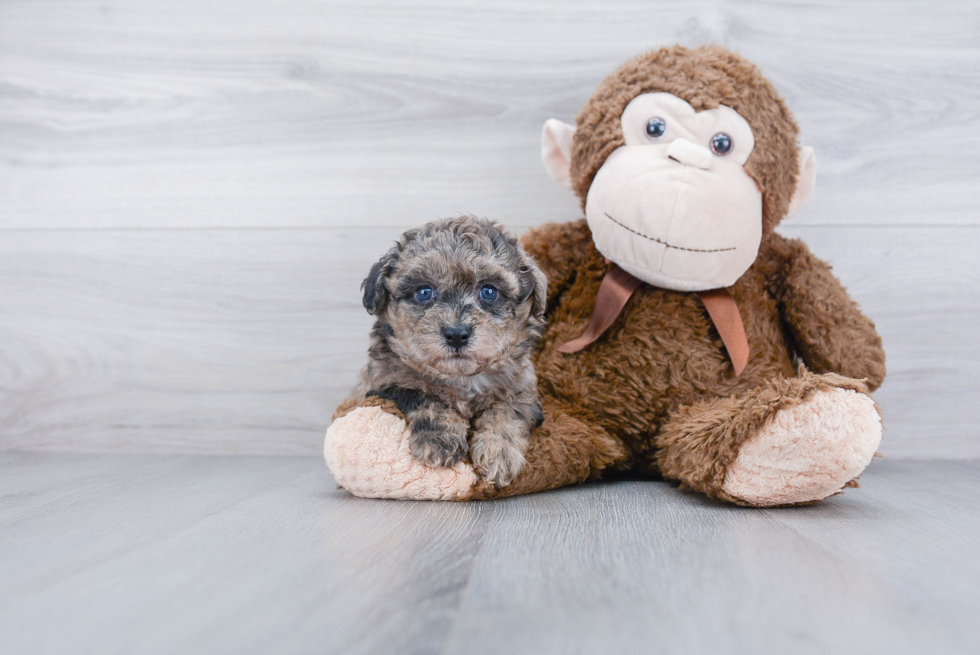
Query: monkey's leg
{"points": [[795, 440], [563, 450], [367, 450]]}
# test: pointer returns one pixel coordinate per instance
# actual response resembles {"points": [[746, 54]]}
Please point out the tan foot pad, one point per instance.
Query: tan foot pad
{"points": [[367, 452], [807, 452]]}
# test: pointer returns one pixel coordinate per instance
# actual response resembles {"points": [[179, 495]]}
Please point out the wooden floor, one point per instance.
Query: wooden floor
{"points": [[196, 554]]}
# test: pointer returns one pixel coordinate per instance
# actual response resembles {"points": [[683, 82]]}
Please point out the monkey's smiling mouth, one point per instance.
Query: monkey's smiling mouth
{"points": [[664, 243]]}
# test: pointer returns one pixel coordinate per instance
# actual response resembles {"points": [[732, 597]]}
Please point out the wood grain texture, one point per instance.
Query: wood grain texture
{"points": [[243, 341], [311, 113], [160, 554], [190, 192]]}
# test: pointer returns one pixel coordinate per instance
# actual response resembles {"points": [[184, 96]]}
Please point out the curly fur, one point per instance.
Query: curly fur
{"points": [[663, 359]]}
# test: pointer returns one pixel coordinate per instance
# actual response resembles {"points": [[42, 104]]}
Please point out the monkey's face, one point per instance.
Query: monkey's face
{"points": [[458, 297], [674, 205], [678, 187]]}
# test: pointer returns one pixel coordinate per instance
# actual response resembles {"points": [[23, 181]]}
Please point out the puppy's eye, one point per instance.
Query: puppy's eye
{"points": [[423, 294], [488, 293], [721, 144], [656, 127]]}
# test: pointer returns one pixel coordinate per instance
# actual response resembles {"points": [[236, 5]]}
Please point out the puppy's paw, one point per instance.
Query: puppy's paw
{"points": [[495, 459], [437, 445]]}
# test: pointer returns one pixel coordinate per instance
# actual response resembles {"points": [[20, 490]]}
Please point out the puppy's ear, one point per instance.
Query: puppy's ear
{"points": [[533, 277], [374, 288], [540, 292]]}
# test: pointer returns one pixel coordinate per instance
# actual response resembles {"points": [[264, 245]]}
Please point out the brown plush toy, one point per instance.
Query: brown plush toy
{"points": [[686, 339]]}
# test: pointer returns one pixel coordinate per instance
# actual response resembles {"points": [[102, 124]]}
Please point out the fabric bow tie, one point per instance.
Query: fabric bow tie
{"points": [[618, 286]]}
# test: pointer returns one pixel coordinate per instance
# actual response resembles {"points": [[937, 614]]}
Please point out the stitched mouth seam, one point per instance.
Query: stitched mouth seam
{"points": [[664, 243]]}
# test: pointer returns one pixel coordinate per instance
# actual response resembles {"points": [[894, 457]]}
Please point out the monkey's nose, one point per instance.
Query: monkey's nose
{"points": [[457, 336], [689, 154]]}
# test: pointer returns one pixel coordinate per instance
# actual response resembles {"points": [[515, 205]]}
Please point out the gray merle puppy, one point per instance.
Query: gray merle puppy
{"points": [[460, 307]]}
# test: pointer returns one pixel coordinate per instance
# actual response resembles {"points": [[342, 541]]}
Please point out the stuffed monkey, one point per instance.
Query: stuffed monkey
{"points": [[687, 340]]}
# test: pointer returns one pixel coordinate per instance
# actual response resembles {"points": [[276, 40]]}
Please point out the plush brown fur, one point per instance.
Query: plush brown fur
{"points": [[661, 369], [699, 442], [352, 403], [659, 381]]}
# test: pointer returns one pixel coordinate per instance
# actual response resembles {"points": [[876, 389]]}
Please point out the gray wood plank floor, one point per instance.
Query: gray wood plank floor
{"points": [[192, 554]]}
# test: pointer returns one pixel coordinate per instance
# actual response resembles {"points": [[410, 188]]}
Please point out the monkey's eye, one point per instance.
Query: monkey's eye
{"points": [[423, 294], [721, 144], [488, 293], [656, 127]]}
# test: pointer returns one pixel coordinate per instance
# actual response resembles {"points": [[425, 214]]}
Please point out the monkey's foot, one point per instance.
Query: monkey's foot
{"points": [[367, 450], [807, 452]]}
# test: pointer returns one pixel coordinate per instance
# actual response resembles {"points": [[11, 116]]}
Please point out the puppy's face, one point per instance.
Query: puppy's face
{"points": [[457, 296]]}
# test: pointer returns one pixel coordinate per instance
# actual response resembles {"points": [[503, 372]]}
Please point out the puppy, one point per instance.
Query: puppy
{"points": [[460, 307]]}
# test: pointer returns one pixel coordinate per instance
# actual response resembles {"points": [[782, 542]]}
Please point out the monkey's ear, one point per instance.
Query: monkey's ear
{"points": [[373, 286], [806, 180], [556, 150]]}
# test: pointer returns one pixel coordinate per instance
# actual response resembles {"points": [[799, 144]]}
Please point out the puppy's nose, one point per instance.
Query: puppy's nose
{"points": [[457, 336]]}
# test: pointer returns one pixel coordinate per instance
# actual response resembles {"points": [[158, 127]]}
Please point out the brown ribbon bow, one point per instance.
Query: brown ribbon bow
{"points": [[618, 286]]}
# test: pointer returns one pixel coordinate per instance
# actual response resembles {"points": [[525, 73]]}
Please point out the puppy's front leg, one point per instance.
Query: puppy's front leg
{"points": [[438, 431], [438, 434], [500, 441]]}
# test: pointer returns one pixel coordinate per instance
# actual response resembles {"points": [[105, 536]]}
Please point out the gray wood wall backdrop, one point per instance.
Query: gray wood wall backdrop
{"points": [[192, 190]]}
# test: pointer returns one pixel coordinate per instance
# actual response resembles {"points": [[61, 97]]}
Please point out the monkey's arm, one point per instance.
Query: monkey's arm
{"points": [[558, 249], [831, 333]]}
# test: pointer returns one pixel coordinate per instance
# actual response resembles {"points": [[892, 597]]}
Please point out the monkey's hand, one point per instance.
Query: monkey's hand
{"points": [[438, 434], [500, 440], [831, 333]]}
